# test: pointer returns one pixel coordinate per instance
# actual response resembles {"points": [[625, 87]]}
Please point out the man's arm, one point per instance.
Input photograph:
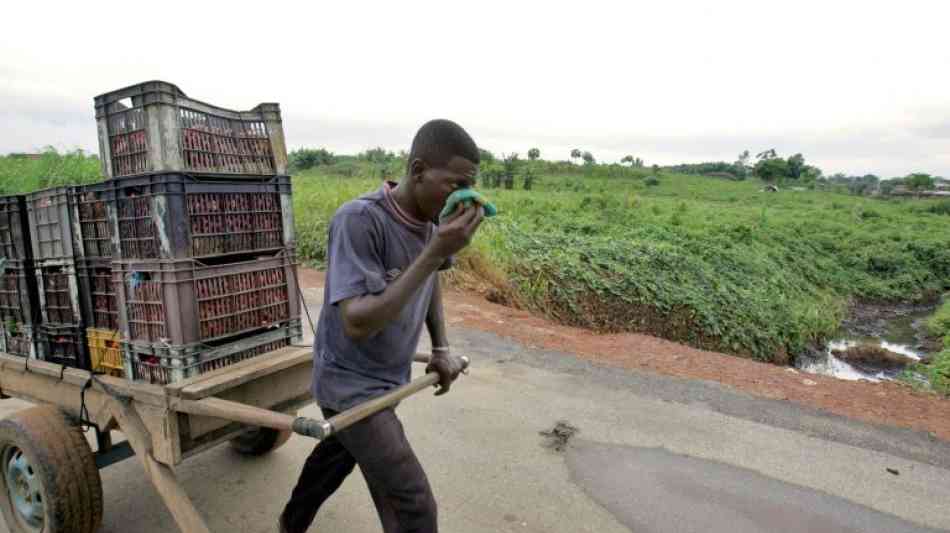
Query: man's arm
{"points": [[435, 318], [364, 316]]}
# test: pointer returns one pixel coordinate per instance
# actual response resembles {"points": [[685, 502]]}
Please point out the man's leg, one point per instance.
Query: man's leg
{"points": [[396, 480], [324, 471]]}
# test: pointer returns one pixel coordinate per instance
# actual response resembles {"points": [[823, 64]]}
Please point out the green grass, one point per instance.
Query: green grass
{"points": [[717, 264], [21, 175]]}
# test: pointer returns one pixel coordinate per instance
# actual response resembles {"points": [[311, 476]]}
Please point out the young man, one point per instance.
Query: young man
{"points": [[382, 284]]}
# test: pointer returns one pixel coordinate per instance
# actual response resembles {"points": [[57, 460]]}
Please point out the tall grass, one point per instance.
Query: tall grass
{"points": [[53, 169], [715, 263]]}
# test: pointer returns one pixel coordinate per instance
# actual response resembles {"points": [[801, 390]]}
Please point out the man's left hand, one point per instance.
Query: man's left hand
{"points": [[448, 367]]}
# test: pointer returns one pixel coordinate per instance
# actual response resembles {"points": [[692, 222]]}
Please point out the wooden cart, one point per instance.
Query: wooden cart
{"points": [[50, 480]]}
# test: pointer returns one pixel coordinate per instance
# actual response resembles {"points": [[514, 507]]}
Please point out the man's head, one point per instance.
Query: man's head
{"points": [[443, 158]]}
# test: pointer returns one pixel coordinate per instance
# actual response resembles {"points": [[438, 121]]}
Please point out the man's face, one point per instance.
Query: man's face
{"points": [[436, 184]]}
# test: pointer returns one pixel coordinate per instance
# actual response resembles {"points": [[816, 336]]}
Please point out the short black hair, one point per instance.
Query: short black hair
{"points": [[437, 141]]}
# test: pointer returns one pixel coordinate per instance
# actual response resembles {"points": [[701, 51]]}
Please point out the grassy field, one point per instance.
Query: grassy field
{"points": [[717, 264], [714, 263]]}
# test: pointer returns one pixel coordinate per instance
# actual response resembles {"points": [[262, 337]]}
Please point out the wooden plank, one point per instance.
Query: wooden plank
{"points": [[265, 392], [141, 392], [161, 476], [244, 372]]}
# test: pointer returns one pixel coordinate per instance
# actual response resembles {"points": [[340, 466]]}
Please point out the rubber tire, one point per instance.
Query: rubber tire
{"points": [[259, 441], [57, 450]]}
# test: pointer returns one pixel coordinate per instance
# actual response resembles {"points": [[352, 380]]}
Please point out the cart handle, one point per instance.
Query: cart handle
{"points": [[308, 427]]}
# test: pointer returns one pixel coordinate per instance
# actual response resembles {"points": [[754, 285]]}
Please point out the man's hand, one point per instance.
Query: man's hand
{"points": [[448, 366], [457, 232]]}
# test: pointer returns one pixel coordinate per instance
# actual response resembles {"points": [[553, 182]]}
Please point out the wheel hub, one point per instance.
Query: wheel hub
{"points": [[24, 488]]}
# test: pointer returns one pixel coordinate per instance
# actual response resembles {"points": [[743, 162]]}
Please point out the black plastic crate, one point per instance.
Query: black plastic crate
{"points": [[51, 223], [174, 216], [58, 288], [19, 298], [162, 364], [185, 302], [64, 345], [14, 228], [18, 339], [95, 229], [100, 308], [154, 127]]}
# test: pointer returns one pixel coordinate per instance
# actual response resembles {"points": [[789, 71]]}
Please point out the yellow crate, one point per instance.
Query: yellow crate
{"points": [[105, 351]]}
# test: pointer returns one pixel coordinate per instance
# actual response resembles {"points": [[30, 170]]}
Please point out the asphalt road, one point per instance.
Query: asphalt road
{"points": [[650, 454]]}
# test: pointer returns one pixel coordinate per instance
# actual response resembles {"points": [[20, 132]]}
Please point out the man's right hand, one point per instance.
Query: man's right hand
{"points": [[456, 233]]}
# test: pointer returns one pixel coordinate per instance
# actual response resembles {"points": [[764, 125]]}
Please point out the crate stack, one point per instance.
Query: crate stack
{"points": [[60, 337], [202, 237], [19, 299]]}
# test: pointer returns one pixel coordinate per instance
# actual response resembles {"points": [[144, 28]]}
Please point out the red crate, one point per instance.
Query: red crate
{"points": [[184, 302], [155, 127]]}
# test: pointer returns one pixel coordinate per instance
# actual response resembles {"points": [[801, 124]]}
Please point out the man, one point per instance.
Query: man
{"points": [[382, 284]]}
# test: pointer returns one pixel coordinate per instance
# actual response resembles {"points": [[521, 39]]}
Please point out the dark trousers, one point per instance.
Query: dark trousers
{"points": [[396, 481]]}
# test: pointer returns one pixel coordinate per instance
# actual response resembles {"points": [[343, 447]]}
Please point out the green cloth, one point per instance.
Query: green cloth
{"points": [[468, 197]]}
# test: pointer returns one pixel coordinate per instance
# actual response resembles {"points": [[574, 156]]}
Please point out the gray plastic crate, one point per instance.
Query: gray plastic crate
{"points": [[19, 298], [174, 216], [58, 288], [154, 127], [62, 344], [14, 228], [51, 223], [18, 339], [186, 302], [97, 298], [161, 364], [93, 228]]}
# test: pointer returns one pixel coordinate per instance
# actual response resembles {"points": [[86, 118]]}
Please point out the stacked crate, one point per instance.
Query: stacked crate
{"points": [[60, 337], [19, 300], [93, 237], [203, 266]]}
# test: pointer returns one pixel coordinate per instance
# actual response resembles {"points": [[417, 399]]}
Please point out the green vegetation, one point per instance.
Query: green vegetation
{"points": [[714, 263], [20, 174], [939, 369]]}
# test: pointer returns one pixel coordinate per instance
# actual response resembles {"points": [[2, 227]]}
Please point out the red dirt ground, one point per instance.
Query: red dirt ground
{"points": [[887, 403]]}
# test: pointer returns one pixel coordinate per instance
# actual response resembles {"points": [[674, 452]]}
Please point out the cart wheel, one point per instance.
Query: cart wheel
{"points": [[259, 441], [49, 482]]}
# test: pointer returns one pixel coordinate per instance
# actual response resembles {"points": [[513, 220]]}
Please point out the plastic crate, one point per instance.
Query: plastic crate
{"points": [[18, 339], [93, 236], [100, 308], [14, 228], [105, 351], [51, 223], [58, 287], [162, 365], [185, 302], [19, 299], [173, 216], [154, 127], [62, 344]]}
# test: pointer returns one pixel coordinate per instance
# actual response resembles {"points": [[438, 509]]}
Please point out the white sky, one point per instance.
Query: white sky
{"points": [[856, 87]]}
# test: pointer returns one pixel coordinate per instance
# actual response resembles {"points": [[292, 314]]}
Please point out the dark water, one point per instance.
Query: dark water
{"points": [[898, 330]]}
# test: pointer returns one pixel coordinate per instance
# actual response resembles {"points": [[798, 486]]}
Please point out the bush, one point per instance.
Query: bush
{"points": [[942, 208], [652, 181]]}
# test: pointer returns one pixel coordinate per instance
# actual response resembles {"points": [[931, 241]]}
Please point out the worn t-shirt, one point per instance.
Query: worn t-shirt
{"points": [[371, 243]]}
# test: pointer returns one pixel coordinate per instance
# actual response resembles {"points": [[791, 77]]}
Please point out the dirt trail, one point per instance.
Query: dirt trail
{"points": [[881, 403]]}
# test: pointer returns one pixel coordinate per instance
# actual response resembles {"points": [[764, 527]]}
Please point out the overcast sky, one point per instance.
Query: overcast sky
{"points": [[857, 87]]}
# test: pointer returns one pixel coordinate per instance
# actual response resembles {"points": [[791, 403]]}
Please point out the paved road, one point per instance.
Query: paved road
{"points": [[651, 454]]}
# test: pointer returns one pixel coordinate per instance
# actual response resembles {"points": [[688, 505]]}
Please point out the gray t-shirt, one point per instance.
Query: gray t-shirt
{"points": [[371, 243]]}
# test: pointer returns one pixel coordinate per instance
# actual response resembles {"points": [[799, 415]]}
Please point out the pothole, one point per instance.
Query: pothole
{"points": [[558, 437]]}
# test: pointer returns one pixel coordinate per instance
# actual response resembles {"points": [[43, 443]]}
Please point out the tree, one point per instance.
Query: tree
{"points": [[575, 154], [588, 158], [486, 156], [796, 165], [510, 163], [766, 154], [741, 165], [771, 170], [534, 154], [627, 159], [919, 181]]}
